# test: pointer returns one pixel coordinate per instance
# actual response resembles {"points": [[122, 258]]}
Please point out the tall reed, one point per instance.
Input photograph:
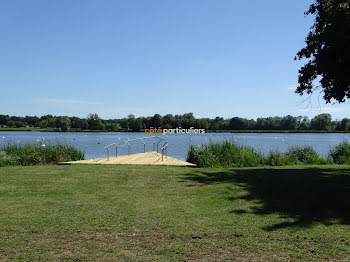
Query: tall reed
{"points": [[341, 153], [34, 154], [224, 155], [228, 154]]}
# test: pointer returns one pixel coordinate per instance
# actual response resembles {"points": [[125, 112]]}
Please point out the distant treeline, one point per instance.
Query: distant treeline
{"points": [[322, 122]]}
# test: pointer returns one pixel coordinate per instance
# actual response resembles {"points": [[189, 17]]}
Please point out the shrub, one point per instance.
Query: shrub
{"points": [[275, 158], [303, 155], [340, 154], [6, 160]]}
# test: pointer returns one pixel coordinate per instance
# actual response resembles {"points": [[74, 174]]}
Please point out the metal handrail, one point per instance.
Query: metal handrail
{"points": [[116, 150], [164, 150], [134, 139], [144, 144], [129, 147], [158, 143]]}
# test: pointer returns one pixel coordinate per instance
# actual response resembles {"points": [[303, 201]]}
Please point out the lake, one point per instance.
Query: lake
{"points": [[92, 144]]}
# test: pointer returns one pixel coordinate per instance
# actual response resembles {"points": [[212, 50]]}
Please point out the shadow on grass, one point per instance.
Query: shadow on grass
{"points": [[308, 195]]}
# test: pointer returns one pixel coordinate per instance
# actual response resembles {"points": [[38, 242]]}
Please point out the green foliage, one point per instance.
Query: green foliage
{"points": [[7, 160], [328, 51], [320, 123], [230, 155], [63, 123], [224, 155], [95, 123], [341, 153], [275, 158], [30, 154], [302, 155]]}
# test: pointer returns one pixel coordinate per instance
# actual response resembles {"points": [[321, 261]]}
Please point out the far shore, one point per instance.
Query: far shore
{"points": [[29, 129]]}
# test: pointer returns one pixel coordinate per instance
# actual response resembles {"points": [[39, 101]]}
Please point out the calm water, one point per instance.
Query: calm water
{"points": [[92, 144]]}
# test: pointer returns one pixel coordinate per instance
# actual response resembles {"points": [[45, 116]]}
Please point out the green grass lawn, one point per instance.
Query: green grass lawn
{"points": [[155, 213]]}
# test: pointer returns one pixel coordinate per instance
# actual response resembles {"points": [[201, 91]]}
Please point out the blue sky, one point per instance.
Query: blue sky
{"points": [[213, 58]]}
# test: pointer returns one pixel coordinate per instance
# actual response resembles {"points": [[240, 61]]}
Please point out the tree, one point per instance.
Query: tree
{"points": [[20, 124], [43, 123], [95, 123], [4, 119], [84, 124], [124, 123], [63, 123], [322, 122], [328, 51], [135, 124], [32, 120], [268, 123], [289, 123], [237, 123], [113, 127], [46, 117], [156, 121], [187, 120], [52, 122], [345, 124], [11, 123], [202, 123], [168, 121], [75, 122], [218, 124], [303, 123]]}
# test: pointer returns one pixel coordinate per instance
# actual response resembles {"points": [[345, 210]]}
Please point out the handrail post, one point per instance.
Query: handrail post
{"points": [[144, 145], [158, 143], [164, 150], [127, 142]]}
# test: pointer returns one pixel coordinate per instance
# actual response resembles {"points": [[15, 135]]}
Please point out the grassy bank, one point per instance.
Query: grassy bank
{"points": [[36, 154], [229, 154], [148, 213], [23, 129]]}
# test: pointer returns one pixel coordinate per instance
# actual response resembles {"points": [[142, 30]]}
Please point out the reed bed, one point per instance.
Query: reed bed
{"points": [[229, 154], [36, 154]]}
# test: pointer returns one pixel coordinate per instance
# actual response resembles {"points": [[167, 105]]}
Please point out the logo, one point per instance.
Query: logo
{"points": [[178, 130]]}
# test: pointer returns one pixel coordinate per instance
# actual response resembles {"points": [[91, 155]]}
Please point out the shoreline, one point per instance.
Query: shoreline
{"points": [[210, 131]]}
